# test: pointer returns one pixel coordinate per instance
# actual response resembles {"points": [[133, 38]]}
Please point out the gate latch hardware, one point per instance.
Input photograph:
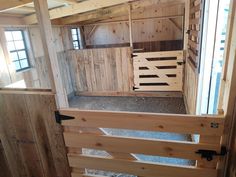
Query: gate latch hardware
{"points": [[208, 154], [134, 88], [132, 55], [59, 117], [181, 62]]}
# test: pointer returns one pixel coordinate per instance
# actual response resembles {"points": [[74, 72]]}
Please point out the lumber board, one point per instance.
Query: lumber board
{"points": [[138, 168], [178, 149], [177, 123]]}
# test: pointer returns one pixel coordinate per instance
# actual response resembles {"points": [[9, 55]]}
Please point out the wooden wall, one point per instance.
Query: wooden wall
{"points": [[190, 87], [193, 57], [31, 140], [150, 24], [37, 75], [102, 70]]}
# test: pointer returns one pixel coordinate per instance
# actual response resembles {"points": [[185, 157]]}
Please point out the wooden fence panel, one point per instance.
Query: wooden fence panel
{"points": [[79, 133], [158, 71]]}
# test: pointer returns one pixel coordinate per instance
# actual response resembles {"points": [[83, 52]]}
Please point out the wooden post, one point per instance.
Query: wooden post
{"points": [[130, 26], [44, 22]]}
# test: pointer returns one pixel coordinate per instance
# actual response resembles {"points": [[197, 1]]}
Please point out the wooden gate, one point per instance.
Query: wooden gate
{"points": [[85, 131], [158, 71]]}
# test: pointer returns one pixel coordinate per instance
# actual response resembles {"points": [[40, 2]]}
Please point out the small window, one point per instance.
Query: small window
{"points": [[17, 49], [76, 38]]}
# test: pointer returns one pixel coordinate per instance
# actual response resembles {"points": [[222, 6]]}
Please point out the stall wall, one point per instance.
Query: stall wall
{"points": [[37, 75], [102, 70], [151, 25]]}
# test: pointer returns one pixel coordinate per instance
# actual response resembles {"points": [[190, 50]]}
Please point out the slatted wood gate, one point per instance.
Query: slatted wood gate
{"points": [[84, 131], [158, 71]]}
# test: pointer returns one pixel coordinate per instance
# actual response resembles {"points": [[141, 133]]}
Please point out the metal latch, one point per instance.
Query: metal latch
{"points": [[59, 117], [134, 88], [208, 154], [132, 55], [180, 62]]}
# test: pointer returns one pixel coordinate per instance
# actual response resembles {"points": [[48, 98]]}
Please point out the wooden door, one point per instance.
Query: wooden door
{"points": [[31, 140], [158, 71], [83, 130]]}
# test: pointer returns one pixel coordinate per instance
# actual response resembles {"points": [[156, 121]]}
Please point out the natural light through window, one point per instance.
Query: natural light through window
{"points": [[17, 49]]}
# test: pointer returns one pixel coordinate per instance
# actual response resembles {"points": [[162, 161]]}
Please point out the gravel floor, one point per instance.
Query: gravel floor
{"points": [[135, 104]]}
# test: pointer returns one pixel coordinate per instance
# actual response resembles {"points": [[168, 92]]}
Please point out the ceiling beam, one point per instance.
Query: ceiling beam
{"points": [[100, 14], [117, 11], [11, 4], [71, 2], [82, 7]]}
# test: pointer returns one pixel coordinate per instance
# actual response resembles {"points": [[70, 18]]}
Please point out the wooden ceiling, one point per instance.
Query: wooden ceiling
{"points": [[14, 12]]}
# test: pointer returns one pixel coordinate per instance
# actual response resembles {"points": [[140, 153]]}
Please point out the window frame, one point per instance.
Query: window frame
{"points": [[19, 50], [77, 40]]}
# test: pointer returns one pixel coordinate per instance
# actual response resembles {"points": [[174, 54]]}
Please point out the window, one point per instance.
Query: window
{"points": [[17, 49], [76, 38]]}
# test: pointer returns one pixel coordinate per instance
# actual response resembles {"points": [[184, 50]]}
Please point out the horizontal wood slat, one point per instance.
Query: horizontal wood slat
{"points": [[159, 65], [165, 148], [138, 168], [189, 124]]}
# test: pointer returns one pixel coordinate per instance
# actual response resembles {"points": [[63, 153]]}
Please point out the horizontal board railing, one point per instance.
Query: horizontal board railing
{"points": [[158, 71], [84, 131]]}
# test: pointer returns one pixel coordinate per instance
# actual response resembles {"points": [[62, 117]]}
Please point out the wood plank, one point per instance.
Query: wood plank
{"points": [[138, 168], [166, 148], [160, 54], [56, 83], [82, 7], [8, 5], [177, 87], [189, 124]]}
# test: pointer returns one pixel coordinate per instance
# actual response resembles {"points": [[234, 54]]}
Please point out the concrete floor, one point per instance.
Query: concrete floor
{"points": [[132, 104], [136, 104]]}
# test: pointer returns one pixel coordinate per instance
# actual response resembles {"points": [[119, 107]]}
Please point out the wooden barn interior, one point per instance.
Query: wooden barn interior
{"points": [[117, 88]]}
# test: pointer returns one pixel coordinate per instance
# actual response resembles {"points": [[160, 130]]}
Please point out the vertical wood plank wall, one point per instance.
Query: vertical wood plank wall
{"points": [[193, 55], [31, 139], [151, 24], [37, 75], [102, 70]]}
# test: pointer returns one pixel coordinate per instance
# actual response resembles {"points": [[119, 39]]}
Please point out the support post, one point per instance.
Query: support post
{"points": [[45, 26], [130, 26]]}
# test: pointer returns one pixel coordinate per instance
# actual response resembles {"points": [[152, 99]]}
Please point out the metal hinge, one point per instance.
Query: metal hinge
{"points": [[134, 88], [208, 154], [59, 117]]}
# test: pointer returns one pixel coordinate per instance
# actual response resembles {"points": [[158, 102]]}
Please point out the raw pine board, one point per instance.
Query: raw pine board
{"points": [[79, 133], [146, 79], [194, 31], [102, 70]]}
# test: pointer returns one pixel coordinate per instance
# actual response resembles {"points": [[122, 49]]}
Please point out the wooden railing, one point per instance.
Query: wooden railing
{"points": [[85, 132], [158, 71]]}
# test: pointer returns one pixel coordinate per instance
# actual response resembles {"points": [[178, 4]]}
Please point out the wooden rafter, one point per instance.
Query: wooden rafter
{"points": [[97, 15], [7, 5], [113, 12], [84, 6]]}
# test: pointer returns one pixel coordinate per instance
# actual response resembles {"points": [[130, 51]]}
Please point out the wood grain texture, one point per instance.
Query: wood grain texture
{"points": [[102, 70], [158, 71], [31, 139], [145, 121], [138, 168]]}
